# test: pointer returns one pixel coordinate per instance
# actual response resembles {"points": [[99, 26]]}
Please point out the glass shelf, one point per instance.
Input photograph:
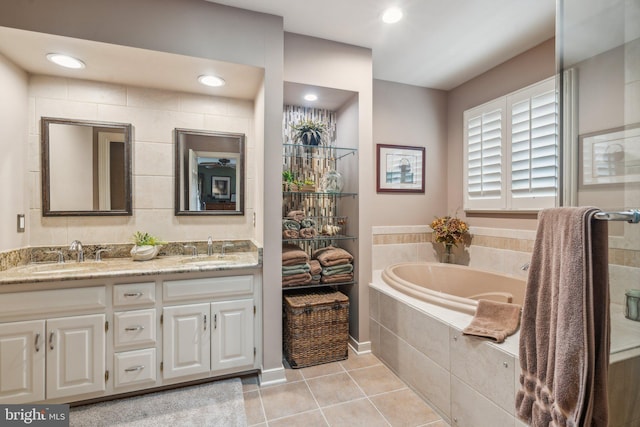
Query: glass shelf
{"points": [[321, 239], [317, 151], [319, 285]]}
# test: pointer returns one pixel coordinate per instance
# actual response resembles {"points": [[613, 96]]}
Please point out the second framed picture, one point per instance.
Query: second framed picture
{"points": [[399, 169]]}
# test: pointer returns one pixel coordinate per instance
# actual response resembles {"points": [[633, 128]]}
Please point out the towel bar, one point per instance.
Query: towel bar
{"points": [[631, 216]]}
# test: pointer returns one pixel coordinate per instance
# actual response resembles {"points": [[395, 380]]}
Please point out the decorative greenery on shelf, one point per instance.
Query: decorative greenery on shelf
{"points": [[310, 132], [287, 176], [146, 239]]}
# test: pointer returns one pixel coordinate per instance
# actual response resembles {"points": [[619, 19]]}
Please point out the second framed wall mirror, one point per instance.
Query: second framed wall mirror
{"points": [[210, 173]]}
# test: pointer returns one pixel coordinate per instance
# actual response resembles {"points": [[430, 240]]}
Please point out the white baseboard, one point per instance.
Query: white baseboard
{"points": [[359, 347], [272, 376]]}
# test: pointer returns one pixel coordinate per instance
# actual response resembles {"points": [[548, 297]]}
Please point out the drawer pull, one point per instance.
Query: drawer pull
{"points": [[51, 335], [37, 342], [133, 294], [134, 328], [205, 322], [135, 368], [215, 321]]}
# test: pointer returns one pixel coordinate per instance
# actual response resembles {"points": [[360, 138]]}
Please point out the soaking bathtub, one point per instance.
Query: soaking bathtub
{"points": [[456, 287]]}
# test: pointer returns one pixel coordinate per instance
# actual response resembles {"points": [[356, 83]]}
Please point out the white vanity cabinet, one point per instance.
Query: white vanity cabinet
{"points": [[134, 336], [75, 340], [210, 337], [51, 359]]}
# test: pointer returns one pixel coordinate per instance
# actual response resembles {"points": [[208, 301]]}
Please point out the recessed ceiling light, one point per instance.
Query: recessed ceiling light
{"points": [[65, 60], [311, 97], [213, 81], [392, 15]]}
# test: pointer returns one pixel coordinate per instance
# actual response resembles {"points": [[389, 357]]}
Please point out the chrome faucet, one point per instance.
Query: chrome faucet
{"points": [[210, 246], [99, 253], [59, 254], [194, 249], [225, 245], [76, 245]]}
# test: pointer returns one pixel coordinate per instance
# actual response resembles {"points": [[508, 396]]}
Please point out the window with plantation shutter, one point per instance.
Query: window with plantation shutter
{"points": [[511, 150]]}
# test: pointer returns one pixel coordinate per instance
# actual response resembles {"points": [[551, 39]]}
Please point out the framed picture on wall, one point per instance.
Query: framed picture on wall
{"points": [[399, 169], [610, 156], [221, 187]]}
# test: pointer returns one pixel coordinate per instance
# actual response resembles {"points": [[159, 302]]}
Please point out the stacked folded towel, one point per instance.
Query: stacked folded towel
{"points": [[337, 265], [315, 271], [296, 226], [295, 266]]}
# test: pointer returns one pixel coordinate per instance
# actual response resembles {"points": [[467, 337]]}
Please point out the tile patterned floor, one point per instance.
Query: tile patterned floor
{"points": [[359, 391]]}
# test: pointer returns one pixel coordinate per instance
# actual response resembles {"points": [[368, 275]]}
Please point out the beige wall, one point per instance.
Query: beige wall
{"points": [[154, 115], [13, 146], [415, 116], [309, 60], [527, 68]]}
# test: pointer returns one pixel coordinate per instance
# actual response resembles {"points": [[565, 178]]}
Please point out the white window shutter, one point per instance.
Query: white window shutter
{"points": [[534, 146], [484, 151], [511, 151]]}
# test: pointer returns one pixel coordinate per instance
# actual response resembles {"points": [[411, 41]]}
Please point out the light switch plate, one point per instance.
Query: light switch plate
{"points": [[21, 223]]}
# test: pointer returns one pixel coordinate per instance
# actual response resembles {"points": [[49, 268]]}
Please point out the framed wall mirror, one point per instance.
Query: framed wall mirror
{"points": [[86, 168], [209, 173]]}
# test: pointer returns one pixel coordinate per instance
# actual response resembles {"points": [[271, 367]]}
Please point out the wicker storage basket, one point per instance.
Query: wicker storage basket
{"points": [[315, 327]]}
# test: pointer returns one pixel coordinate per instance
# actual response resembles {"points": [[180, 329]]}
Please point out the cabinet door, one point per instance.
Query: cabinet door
{"points": [[186, 340], [22, 362], [232, 337], [75, 355]]}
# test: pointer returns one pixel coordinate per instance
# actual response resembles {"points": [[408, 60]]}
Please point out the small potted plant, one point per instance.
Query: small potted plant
{"points": [[309, 132], [288, 181], [307, 185], [145, 246]]}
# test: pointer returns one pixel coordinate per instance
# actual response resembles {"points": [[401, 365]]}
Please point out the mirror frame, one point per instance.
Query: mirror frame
{"points": [[45, 156], [241, 171]]}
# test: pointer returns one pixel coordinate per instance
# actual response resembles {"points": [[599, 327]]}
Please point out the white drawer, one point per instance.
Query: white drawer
{"points": [[54, 301], [137, 327], [179, 290], [135, 367], [134, 294]]}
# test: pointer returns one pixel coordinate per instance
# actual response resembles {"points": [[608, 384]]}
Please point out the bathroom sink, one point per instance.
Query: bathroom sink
{"points": [[204, 261], [59, 268]]}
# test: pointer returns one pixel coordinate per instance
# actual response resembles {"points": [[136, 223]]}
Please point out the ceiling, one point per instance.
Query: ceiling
{"points": [[438, 44], [127, 65]]}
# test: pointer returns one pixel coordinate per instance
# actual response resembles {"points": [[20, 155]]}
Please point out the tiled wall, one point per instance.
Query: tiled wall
{"points": [[154, 114], [490, 249]]}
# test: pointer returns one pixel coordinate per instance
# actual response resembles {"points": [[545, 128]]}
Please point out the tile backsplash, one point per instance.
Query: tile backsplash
{"points": [[154, 114]]}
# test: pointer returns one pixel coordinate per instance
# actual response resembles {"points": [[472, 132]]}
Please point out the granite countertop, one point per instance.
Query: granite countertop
{"points": [[120, 267]]}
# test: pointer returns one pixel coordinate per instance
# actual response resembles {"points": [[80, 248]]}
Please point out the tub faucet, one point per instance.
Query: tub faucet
{"points": [[210, 246], [525, 266], [194, 249], [76, 245]]}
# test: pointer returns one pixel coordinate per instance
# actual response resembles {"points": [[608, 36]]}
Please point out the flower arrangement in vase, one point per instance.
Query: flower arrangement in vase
{"points": [[145, 246], [450, 231]]}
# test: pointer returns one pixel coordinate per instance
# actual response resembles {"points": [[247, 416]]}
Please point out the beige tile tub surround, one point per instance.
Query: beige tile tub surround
{"points": [[357, 391]]}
